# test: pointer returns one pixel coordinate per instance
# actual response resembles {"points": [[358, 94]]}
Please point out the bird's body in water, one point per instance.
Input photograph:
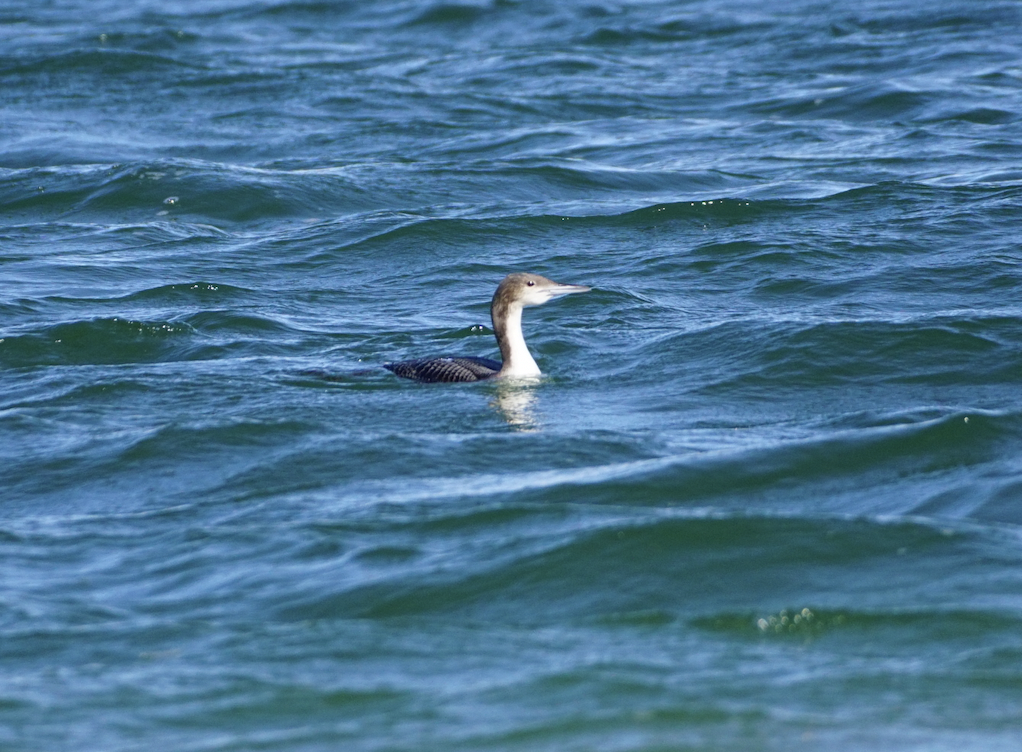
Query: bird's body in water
{"points": [[516, 291]]}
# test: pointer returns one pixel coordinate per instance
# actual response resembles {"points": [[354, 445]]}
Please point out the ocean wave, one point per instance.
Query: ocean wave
{"points": [[110, 340], [188, 292], [805, 623], [99, 62], [832, 469], [667, 566], [120, 340], [178, 190]]}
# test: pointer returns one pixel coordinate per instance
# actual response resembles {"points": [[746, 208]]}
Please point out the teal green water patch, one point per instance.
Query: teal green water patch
{"points": [[99, 341], [105, 341], [189, 293], [807, 623], [169, 190], [97, 62], [727, 210], [234, 322], [215, 193]]}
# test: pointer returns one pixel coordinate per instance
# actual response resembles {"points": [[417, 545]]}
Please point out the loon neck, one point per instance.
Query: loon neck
{"points": [[518, 362]]}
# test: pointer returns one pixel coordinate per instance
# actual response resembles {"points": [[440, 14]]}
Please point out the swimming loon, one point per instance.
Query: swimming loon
{"points": [[514, 293]]}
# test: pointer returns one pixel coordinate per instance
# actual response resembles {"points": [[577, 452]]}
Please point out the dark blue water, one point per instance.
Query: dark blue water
{"points": [[768, 493]]}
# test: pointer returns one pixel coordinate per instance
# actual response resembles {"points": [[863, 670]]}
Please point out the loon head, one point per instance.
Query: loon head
{"points": [[531, 290]]}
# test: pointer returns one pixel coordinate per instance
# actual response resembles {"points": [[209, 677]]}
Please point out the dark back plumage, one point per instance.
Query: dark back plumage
{"points": [[445, 369]]}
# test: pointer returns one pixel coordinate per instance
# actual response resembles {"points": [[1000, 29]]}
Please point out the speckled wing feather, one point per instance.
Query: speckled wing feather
{"points": [[445, 369]]}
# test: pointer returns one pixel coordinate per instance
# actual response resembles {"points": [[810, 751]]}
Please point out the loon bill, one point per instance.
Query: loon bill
{"points": [[516, 292]]}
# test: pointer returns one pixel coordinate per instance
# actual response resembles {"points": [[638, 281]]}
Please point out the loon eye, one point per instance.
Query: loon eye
{"points": [[531, 282]]}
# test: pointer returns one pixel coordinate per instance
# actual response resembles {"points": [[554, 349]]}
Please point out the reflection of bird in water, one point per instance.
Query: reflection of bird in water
{"points": [[517, 405], [515, 293]]}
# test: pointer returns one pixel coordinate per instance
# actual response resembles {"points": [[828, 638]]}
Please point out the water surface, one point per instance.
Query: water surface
{"points": [[768, 493]]}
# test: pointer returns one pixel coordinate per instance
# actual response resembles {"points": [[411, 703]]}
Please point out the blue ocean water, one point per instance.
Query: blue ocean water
{"points": [[768, 492]]}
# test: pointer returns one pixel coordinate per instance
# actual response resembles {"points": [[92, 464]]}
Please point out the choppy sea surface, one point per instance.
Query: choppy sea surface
{"points": [[767, 496]]}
